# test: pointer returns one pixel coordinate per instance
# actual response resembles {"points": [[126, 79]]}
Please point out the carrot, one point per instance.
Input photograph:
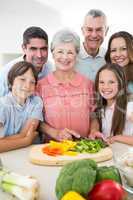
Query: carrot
{"points": [[52, 151]]}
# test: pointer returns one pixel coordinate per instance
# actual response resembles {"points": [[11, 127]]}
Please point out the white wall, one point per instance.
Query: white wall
{"points": [[17, 15]]}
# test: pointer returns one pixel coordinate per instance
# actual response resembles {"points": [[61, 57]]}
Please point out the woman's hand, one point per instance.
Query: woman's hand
{"points": [[66, 134]]}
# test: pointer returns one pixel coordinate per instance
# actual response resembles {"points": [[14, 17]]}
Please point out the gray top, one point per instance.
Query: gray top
{"points": [[88, 65]]}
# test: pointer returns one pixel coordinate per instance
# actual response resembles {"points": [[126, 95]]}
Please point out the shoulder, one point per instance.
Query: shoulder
{"points": [[84, 79], [45, 80], [9, 65], [35, 99], [102, 52], [5, 101], [49, 64], [6, 68]]}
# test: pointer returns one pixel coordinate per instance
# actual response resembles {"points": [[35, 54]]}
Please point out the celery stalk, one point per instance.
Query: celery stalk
{"points": [[20, 192], [22, 187], [20, 180]]}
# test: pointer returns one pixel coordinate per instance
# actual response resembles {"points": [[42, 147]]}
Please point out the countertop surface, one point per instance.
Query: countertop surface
{"points": [[18, 161]]}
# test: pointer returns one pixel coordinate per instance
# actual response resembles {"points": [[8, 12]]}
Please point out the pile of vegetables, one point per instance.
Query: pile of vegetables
{"points": [[59, 148], [86, 179], [72, 148], [89, 146], [21, 187]]}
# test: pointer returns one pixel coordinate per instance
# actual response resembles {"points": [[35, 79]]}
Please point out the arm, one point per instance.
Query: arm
{"points": [[121, 138], [94, 132], [94, 123], [22, 139], [94, 126], [59, 135]]}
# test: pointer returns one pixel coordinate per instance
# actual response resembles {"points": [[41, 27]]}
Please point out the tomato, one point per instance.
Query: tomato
{"points": [[107, 190]]}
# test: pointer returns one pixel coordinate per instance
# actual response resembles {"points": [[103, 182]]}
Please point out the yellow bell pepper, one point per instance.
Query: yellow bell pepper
{"points": [[70, 153], [65, 145], [72, 195]]}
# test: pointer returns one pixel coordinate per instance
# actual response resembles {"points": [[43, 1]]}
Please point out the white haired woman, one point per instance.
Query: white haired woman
{"points": [[67, 95]]}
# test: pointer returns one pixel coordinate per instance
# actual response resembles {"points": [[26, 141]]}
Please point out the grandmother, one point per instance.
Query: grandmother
{"points": [[67, 95]]}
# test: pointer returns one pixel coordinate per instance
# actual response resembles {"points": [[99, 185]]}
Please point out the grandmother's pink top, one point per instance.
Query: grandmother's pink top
{"points": [[67, 105]]}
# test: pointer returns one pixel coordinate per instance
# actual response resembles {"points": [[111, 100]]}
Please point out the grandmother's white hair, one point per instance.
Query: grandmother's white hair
{"points": [[66, 36]]}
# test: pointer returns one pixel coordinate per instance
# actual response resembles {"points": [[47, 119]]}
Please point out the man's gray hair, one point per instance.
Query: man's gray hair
{"points": [[96, 13], [66, 36]]}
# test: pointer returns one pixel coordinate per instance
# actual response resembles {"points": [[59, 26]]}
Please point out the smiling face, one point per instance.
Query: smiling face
{"points": [[36, 52], [108, 85], [94, 30], [118, 52], [64, 55], [23, 86]]}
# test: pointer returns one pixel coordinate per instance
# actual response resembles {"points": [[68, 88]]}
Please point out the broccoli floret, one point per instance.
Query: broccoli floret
{"points": [[78, 176], [83, 180], [108, 173]]}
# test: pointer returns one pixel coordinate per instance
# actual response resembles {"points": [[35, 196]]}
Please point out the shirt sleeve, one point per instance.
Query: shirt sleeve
{"points": [[2, 120], [3, 83], [37, 111]]}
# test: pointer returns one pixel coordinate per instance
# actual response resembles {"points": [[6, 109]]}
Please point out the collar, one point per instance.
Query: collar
{"points": [[43, 72], [15, 103], [111, 107], [75, 82], [83, 53]]}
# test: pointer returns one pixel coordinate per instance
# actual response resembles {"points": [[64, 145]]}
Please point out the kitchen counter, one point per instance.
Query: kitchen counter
{"points": [[18, 161]]}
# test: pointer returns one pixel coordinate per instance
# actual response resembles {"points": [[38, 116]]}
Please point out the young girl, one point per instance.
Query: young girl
{"points": [[115, 123], [20, 110]]}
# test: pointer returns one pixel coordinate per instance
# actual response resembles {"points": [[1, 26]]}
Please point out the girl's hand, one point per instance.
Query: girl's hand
{"points": [[112, 139], [97, 135]]}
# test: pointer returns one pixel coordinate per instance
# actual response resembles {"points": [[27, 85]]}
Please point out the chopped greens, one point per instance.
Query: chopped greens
{"points": [[89, 146]]}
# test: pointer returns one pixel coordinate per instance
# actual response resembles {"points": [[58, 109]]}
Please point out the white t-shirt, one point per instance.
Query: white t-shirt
{"points": [[107, 116]]}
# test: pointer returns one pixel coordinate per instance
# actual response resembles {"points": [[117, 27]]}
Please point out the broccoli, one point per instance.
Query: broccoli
{"points": [[108, 173], [77, 176]]}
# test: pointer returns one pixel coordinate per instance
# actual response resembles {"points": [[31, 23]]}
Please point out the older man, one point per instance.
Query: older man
{"points": [[91, 55], [35, 50]]}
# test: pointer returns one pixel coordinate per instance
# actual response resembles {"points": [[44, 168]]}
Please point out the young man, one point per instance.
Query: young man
{"points": [[35, 51], [91, 55]]}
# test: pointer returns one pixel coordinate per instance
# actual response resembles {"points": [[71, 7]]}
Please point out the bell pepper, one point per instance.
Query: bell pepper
{"points": [[72, 195]]}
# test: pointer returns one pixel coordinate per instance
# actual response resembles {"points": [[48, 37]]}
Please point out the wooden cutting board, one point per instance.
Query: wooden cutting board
{"points": [[36, 156]]}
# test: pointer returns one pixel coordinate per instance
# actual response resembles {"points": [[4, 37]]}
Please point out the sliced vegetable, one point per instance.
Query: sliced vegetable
{"points": [[66, 147], [52, 151], [59, 148], [89, 146]]}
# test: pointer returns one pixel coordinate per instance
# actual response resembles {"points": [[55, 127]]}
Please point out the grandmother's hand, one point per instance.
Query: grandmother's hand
{"points": [[67, 134]]}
